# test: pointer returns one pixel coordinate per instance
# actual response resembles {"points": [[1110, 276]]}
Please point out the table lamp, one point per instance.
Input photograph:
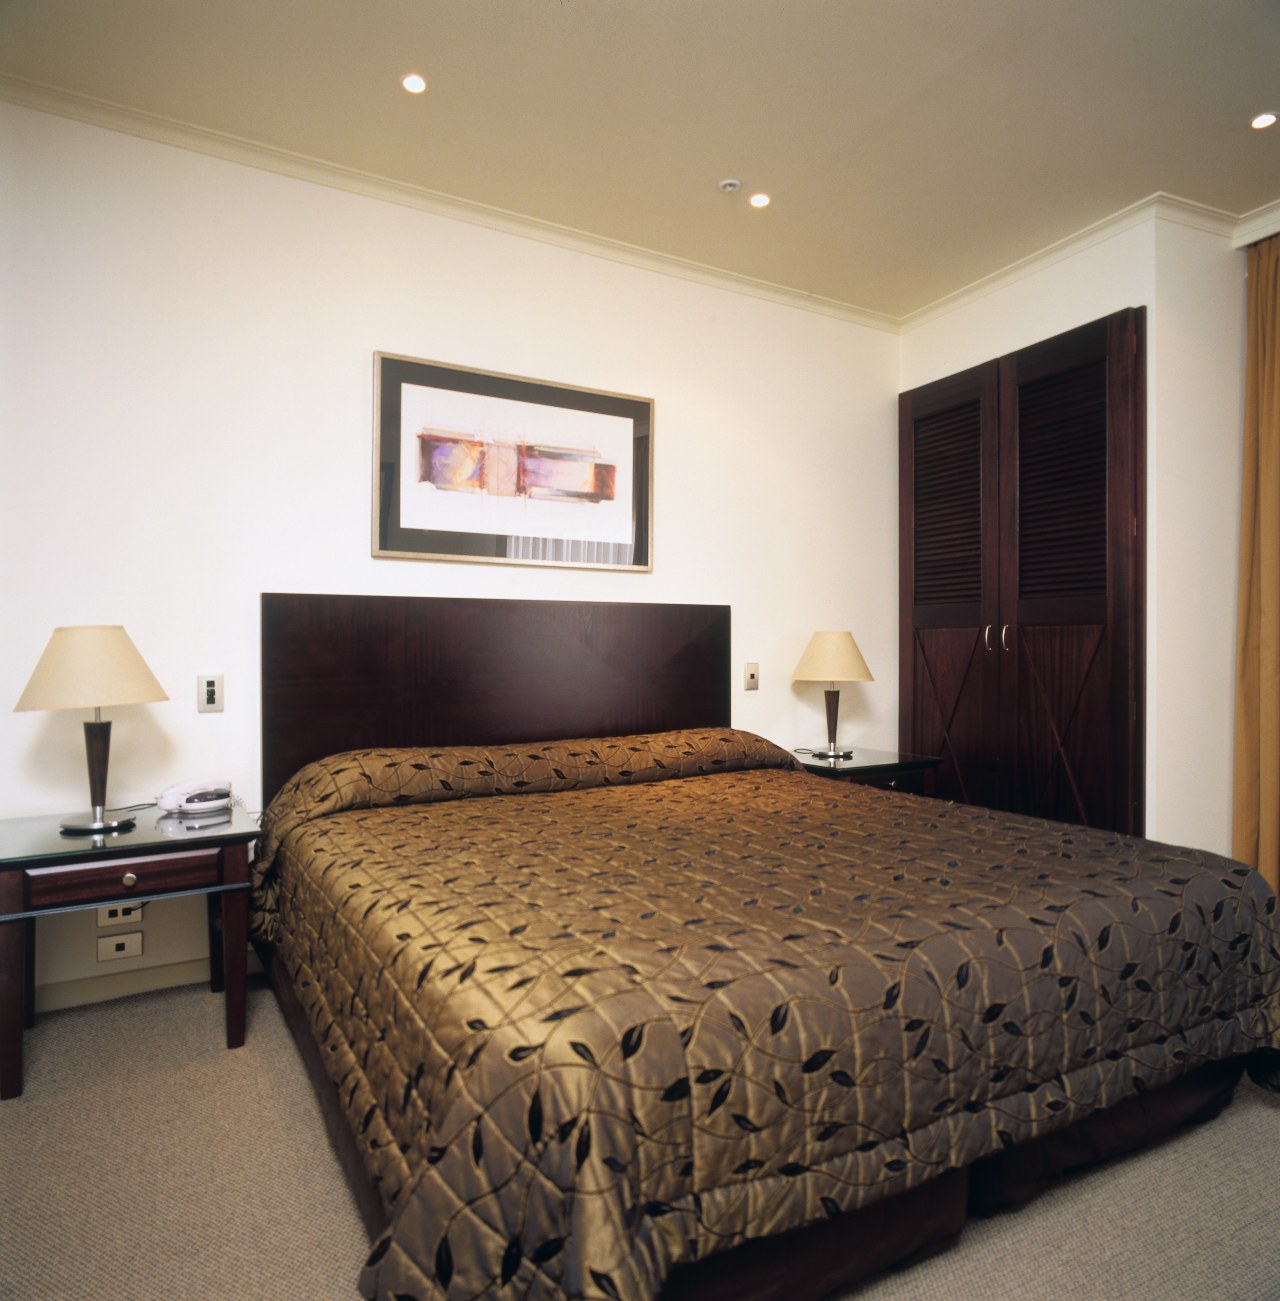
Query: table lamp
{"points": [[832, 657], [87, 668]]}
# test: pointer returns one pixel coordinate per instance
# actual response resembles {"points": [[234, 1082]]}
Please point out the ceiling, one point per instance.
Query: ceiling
{"points": [[911, 147]]}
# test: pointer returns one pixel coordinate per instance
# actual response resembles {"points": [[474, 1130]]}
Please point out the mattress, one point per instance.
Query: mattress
{"points": [[597, 1008]]}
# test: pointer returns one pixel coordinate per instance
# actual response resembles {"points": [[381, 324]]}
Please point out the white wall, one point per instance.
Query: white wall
{"points": [[186, 413], [1196, 396], [1192, 283]]}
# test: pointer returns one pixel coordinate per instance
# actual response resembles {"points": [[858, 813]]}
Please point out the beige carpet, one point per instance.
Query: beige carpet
{"points": [[146, 1161]]}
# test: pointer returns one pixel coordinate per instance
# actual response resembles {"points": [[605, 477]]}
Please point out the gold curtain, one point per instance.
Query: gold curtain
{"points": [[1256, 823]]}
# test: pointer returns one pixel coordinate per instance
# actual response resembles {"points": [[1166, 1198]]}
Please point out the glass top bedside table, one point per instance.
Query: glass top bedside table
{"points": [[43, 871], [887, 768]]}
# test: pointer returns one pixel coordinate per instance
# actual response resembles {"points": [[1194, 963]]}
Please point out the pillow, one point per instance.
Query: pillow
{"points": [[361, 779]]}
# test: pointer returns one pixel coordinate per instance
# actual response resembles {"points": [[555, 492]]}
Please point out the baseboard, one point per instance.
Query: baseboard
{"points": [[119, 984]]}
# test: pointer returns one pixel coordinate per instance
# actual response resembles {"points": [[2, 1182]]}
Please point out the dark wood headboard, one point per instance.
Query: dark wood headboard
{"points": [[348, 672]]}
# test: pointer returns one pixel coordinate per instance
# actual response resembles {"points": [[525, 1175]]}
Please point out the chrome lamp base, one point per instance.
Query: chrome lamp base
{"points": [[100, 822]]}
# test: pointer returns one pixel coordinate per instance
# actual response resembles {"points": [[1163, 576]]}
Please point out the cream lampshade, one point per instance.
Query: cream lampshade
{"points": [[832, 657], [87, 668]]}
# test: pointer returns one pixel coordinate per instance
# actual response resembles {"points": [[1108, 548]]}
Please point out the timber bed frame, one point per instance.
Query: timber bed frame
{"points": [[350, 672]]}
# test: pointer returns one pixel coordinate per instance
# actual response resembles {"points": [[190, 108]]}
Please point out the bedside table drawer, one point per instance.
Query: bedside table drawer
{"points": [[67, 886], [912, 782]]}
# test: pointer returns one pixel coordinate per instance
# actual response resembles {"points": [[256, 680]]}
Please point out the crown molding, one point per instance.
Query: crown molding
{"points": [[1261, 223], [1156, 207], [1241, 230], [302, 167]]}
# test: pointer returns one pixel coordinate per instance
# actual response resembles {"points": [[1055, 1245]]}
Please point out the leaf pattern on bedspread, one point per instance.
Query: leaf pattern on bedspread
{"points": [[622, 1022]]}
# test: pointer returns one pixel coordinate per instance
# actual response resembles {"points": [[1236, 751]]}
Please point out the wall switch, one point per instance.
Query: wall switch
{"points": [[209, 693], [117, 914], [120, 946], [751, 677]]}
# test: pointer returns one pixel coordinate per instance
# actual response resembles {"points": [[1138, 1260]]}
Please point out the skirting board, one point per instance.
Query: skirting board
{"points": [[119, 984]]}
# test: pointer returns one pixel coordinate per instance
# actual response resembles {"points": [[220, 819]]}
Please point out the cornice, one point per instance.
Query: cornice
{"points": [[249, 153], [1241, 230], [1156, 207], [1258, 224]]}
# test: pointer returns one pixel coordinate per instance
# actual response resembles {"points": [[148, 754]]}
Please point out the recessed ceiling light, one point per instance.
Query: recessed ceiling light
{"points": [[730, 187], [414, 84], [759, 200], [1262, 121]]}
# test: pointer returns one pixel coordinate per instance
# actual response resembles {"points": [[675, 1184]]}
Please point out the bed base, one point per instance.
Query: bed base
{"points": [[838, 1253], [341, 1138]]}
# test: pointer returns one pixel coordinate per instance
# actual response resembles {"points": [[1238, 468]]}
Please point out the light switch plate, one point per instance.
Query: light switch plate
{"points": [[209, 693]]}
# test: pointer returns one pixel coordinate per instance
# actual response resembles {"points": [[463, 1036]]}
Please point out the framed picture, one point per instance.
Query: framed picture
{"points": [[472, 465]]}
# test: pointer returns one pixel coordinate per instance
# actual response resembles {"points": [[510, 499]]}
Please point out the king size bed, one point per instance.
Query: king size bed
{"points": [[605, 998]]}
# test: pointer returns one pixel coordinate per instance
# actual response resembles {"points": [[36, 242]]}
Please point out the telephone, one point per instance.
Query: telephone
{"points": [[191, 798]]}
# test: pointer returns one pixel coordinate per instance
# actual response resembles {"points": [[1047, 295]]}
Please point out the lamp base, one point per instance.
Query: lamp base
{"points": [[832, 754], [100, 822]]}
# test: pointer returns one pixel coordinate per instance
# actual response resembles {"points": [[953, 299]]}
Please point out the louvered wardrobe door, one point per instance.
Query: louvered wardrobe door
{"points": [[948, 461], [1069, 669]]}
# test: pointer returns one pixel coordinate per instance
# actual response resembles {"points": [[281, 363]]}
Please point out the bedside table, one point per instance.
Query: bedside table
{"points": [[887, 768], [44, 871]]}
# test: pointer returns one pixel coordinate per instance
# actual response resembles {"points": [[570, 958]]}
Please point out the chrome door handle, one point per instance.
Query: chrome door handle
{"points": [[986, 636], [1004, 637]]}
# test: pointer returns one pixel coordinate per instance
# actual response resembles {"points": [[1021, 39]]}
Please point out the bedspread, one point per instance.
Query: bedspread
{"points": [[624, 1021]]}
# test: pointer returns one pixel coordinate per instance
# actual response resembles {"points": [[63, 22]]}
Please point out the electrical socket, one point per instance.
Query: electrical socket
{"points": [[117, 914], [120, 946], [751, 677]]}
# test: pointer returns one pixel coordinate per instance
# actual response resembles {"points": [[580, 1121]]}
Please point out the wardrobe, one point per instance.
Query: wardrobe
{"points": [[1021, 577]]}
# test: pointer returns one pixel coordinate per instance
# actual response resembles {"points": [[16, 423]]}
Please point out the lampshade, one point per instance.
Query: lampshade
{"points": [[86, 668], [832, 657]]}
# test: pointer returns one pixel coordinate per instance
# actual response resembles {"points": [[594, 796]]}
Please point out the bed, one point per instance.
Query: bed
{"points": [[631, 1006]]}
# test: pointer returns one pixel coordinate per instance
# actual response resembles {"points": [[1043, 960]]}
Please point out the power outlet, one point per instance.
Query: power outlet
{"points": [[119, 946], [117, 914], [751, 677]]}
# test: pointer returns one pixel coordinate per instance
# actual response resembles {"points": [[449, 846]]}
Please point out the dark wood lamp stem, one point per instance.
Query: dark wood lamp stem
{"points": [[97, 746], [833, 709]]}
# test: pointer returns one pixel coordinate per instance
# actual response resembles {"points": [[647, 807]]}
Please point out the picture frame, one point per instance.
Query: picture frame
{"points": [[474, 465]]}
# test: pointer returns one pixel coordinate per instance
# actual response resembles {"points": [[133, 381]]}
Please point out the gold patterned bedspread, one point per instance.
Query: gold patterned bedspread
{"points": [[624, 1021]]}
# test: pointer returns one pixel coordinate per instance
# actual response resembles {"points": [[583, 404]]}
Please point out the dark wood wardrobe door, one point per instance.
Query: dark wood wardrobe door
{"points": [[1069, 625], [948, 454]]}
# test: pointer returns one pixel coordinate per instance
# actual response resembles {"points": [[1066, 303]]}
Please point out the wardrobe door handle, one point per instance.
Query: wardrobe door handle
{"points": [[986, 636], [1004, 637]]}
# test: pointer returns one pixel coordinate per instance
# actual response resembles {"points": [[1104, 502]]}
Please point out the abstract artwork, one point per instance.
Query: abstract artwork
{"points": [[455, 463], [473, 465]]}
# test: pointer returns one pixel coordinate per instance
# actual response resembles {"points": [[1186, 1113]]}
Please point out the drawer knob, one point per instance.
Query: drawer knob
{"points": [[129, 878]]}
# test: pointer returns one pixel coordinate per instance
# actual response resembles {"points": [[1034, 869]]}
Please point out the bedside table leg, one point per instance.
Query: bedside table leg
{"points": [[216, 977], [29, 988], [235, 961], [235, 941], [13, 973]]}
